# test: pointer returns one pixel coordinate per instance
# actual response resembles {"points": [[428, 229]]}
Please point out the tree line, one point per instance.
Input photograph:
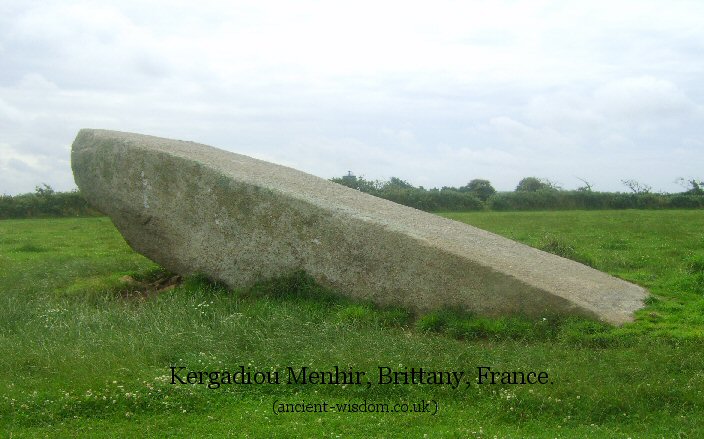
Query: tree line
{"points": [[44, 202], [531, 193]]}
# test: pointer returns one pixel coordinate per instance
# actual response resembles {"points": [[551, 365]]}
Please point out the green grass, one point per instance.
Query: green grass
{"points": [[80, 357], [660, 250]]}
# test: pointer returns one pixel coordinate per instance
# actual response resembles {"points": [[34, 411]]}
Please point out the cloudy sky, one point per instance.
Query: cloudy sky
{"points": [[436, 93]]}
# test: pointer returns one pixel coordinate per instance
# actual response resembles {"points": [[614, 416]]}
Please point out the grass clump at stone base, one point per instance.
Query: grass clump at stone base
{"points": [[81, 358], [463, 325]]}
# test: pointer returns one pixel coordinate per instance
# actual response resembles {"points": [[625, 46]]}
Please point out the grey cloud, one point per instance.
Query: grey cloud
{"points": [[20, 166], [568, 91], [643, 98], [81, 47]]}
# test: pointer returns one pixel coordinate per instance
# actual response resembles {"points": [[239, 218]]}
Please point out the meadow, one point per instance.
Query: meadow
{"points": [[87, 342]]}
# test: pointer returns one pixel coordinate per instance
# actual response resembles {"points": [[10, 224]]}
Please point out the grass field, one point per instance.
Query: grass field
{"points": [[82, 354]]}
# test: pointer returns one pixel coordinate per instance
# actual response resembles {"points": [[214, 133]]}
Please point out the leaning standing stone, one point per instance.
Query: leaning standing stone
{"points": [[197, 209]]}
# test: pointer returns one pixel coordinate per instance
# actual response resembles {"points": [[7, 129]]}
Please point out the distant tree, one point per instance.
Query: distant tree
{"points": [[587, 186], [481, 189], [697, 187], [534, 184], [692, 186], [636, 187], [359, 183], [349, 180], [397, 183], [44, 190]]}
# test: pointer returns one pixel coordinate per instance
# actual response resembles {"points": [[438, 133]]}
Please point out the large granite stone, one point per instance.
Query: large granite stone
{"points": [[197, 209]]}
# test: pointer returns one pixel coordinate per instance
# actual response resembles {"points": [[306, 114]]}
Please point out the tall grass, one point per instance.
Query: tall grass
{"points": [[82, 357]]}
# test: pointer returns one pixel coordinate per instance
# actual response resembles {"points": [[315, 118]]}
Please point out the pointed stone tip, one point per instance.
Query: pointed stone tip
{"points": [[195, 208]]}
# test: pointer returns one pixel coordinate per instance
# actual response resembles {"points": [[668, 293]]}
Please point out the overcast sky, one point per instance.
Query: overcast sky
{"points": [[436, 93]]}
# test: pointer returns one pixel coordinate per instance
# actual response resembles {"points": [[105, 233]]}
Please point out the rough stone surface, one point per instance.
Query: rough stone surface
{"points": [[197, 209]]}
